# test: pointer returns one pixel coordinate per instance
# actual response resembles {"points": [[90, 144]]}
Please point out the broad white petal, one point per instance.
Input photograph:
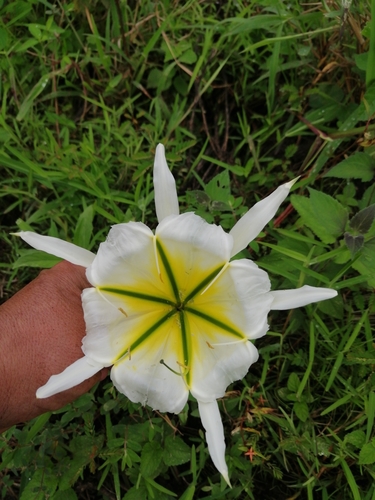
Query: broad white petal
{"points": [[60, 248], [215, 366], [144, 379], [289, 299], [220, 322], [239, 297], [211, 420], [127, 260], [251, 224], [193, 248], [166, 201], [114, 323], [80, 370]]}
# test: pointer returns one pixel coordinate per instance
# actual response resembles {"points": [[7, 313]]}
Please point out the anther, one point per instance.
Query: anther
{"points": [[122, 311]]}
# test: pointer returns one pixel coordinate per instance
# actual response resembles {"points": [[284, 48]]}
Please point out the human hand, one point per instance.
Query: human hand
{"points": [[42, 327]]}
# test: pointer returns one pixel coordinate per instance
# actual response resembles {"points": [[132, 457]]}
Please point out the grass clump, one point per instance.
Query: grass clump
{"points": [[245, 96]]}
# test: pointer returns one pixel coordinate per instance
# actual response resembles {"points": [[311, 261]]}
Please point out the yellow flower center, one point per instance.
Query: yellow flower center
{"points": [[175, 311]]}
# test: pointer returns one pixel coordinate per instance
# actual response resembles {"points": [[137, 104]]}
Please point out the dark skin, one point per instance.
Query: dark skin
{"points": [[42, 327]]}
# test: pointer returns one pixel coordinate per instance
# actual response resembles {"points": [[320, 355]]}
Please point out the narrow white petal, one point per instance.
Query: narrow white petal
{"points": [[166, 201], [60, 248], [77, 372], [211, 421], [289, 299], [251, 224]]}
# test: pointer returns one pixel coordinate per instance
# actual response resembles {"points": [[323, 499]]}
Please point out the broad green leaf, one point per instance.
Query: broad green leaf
{"points": [[42, 485], [333, 307], [175, 51], [136, 493], [176, 452], [361, 60], [366, 262], [368, 197], [358, 166], [354, 243], [367, 454], [362, 221], [151, 458], [301, 410], [86, 446], [293, 382], [356, 438], [188, 57], [35, 30], [68, 494], [324, 215], [35, 258], [218, 188]]}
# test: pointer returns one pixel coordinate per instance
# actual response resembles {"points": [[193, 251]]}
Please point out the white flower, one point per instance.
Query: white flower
{"points": [[170, 312]]}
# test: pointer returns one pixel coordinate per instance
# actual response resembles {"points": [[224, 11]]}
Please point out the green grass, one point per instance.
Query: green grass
{"points": [[245, 96]]}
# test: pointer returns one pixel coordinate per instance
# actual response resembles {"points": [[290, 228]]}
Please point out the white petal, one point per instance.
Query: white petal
{"points": [[239, 297], [289, 299], [220, 322], [215, 366], [143, 379], [60, 248], [127, 259], [80, 370], [193, 248], [251, 224], [211, 420], [166, 201], [114, 323]]}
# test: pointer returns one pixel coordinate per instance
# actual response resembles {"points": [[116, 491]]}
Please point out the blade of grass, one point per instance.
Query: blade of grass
{"points": [[351, 481], [370, 70], [313, 339]]}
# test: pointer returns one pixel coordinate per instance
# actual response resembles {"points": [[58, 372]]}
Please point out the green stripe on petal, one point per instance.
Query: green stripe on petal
{"points": [[144, 336], [168, 270], [215, 322], [203, 284], [186, 345], [137, 295]]}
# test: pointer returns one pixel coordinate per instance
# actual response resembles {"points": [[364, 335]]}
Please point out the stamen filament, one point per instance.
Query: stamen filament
{"points": [[216, 277]]}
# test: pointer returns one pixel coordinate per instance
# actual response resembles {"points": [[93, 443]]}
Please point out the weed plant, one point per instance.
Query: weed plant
{"points": [[245, 96]]}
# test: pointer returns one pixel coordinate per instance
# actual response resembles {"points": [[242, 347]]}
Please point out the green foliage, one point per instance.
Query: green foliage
{"points": [[245, 96]]}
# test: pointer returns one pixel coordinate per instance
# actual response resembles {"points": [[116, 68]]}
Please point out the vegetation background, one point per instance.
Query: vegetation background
{"points": [[245, 95]]}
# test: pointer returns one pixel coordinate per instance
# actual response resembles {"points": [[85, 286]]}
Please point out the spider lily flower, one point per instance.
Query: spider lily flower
{"points": [[170, 311]]}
